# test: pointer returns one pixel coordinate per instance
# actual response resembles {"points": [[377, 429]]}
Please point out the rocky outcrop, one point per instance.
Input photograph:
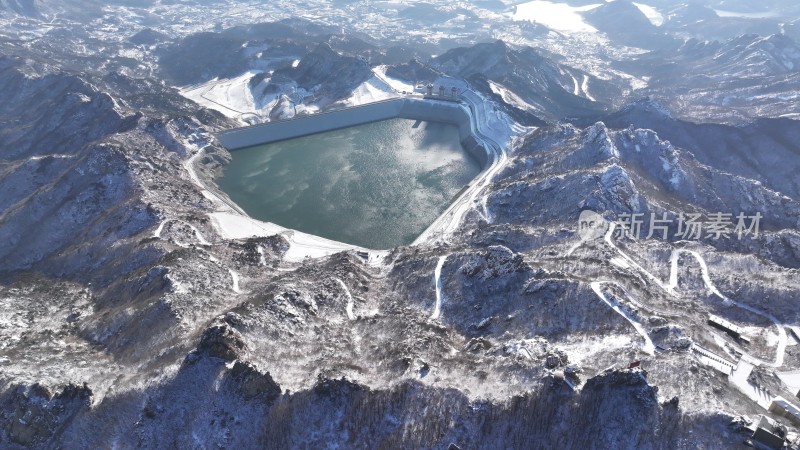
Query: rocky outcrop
{"points": [[620, 406], [637, 171], [34, 415], [254, 384], [222, 341], [497, 261], [762, 150]]}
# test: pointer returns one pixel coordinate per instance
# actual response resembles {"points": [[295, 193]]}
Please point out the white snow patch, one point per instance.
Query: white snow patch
{"points": [[160, 229], [349, 307], [652, 14], [200, 238], [510, 97], [575, 89], [231, 96], [301, 245], [262, 258], [396, 84], [585, 88], [178, 286], [772, 339], [235, 278], [373, 90], [556, 16], [792, 379], [594, 345], [751, 15], [437, 280], [236, 226], [54, 156]]}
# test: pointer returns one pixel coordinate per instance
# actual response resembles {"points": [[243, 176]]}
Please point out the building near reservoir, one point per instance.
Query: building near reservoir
{"points": [[768, 434], [728, 327], [782, 407]]}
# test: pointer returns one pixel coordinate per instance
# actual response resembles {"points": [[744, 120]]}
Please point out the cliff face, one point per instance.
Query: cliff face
{"points": [[617, 409]]}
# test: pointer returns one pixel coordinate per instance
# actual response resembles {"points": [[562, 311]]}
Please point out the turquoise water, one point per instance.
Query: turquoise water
{"points": [[377, 185]]}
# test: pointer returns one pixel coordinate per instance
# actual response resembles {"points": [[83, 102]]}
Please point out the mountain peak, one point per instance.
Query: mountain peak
{"points": [[619, 11]]}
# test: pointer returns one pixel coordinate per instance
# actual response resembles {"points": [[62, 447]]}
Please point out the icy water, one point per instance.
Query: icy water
{"points": [[377, 185]]}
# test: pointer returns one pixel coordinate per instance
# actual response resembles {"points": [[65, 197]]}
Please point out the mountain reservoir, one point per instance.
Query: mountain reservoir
{"points": [[376, 185]]}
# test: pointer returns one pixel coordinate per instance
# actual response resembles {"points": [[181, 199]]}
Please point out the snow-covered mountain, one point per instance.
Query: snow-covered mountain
{"points": [[625, 23], [328, 73], [140, 307], [550, 89]]}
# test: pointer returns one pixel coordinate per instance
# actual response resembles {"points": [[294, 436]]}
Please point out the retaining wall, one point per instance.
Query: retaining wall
{"points": [[405, 108]]}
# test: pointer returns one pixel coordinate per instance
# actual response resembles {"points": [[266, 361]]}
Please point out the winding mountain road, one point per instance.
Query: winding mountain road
{"points": [[648, 346], [669, 287]]}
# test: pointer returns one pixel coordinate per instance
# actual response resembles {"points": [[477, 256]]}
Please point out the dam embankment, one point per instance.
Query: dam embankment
{"points": [[405, 108]]}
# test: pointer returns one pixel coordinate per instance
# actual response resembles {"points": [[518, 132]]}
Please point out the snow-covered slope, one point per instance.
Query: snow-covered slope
{"points": [[140, 308]]}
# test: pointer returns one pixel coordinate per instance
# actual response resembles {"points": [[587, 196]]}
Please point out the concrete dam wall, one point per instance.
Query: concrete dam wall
{"points": [[404, 108]]}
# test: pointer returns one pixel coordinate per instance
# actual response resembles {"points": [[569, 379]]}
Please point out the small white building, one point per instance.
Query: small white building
{"points": [[729, 327], [782, 407]]}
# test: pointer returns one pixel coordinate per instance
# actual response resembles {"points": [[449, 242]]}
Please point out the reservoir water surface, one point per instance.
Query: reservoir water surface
{"points": [[377, 185]]}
